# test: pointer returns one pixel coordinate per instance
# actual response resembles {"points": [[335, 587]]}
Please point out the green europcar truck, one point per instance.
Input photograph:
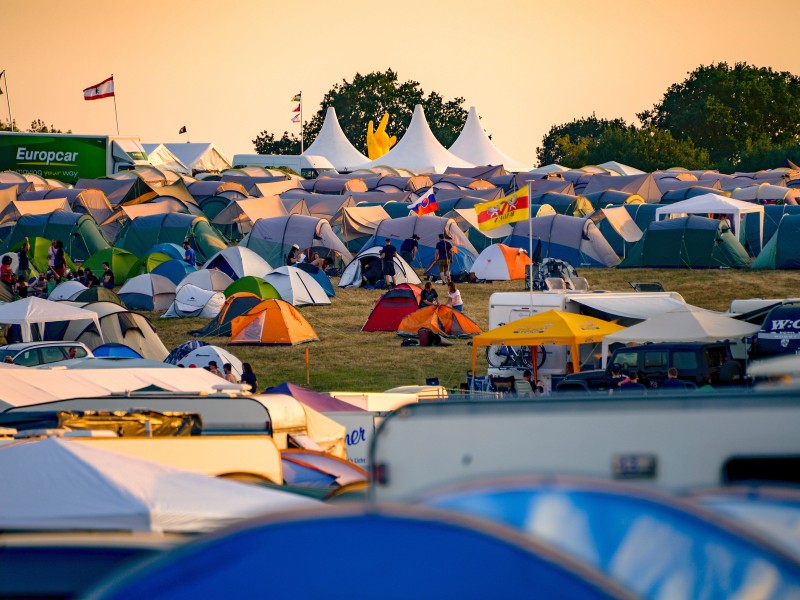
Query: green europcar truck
{"points": [[69, 157]]}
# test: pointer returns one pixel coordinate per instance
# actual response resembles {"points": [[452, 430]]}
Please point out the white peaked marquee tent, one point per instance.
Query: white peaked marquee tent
{"points": [[474, 145], [333, 144], [419, 150], [57, 484]]}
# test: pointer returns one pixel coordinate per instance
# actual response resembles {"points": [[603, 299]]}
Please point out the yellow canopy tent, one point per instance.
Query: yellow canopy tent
{"points": [[550, 328]]}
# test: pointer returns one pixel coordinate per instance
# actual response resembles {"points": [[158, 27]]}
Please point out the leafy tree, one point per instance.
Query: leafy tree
{"points": [[366, 98], [266, 143], [37, 126], [551, 150], [765, 155], [730, 109]]}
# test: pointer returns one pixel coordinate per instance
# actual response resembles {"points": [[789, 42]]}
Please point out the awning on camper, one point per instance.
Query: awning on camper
{"points": [[632, 308]]}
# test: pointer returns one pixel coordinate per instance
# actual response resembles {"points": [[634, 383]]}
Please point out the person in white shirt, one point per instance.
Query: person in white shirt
{"points": [[454, 298]]}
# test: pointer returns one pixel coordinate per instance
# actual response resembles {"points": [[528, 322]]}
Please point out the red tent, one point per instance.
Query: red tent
{"points": [[393, 307]]}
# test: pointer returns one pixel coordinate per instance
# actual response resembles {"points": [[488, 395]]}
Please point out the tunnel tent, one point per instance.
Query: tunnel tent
{"points": [[644, 185], [618, 227], [782, 251], [565, 204], [766, 193], [79, 233], [359, 224], [684, 193], [139, 235], [613, 198], [243, 213], [38, 254], [92, 202], [120, 191], [15, 209]]}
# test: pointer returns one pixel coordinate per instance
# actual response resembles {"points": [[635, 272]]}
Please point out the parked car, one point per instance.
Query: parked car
{"points": [[698, 363], [30, 354]]}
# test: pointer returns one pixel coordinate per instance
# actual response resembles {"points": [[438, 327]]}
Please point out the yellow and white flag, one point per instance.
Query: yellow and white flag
{"points": [[509, 209]]}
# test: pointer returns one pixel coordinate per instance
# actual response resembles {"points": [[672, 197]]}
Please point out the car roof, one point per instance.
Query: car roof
{"points": [[663, 345], [28, 345]]}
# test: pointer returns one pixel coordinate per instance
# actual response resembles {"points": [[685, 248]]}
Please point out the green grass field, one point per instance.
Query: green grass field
{"points": [[346, 359]]}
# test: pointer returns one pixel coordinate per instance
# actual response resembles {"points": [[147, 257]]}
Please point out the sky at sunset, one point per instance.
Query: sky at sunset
{"points": [[228, 70]]}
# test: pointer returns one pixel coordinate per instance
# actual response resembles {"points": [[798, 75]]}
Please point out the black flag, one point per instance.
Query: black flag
{"points": [[182, 130]]}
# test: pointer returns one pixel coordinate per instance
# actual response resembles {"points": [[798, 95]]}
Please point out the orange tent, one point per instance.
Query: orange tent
{"points": [[440, 319], [271, 323], [500, 262]]}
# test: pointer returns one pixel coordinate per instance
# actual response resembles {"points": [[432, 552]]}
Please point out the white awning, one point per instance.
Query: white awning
{"points": [[632, 308]]}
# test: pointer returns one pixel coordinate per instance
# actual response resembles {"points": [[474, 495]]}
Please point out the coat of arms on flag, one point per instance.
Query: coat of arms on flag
{"points": [[509, 209]]}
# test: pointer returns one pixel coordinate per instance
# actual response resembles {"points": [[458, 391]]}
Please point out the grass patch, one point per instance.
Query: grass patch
{"points": [[346, 359]]}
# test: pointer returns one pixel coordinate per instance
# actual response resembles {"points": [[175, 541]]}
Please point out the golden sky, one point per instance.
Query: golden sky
{"points": [[228, 70]]}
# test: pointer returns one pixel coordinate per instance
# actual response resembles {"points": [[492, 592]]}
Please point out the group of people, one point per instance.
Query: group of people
{"points": [[630, 382], [248, 377], [430, 297]]}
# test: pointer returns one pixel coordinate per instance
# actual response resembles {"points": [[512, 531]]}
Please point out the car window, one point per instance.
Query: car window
{"points": [[655, 359], [627, 360], [53, 354], [28, 358], [684, 360], [79, 352]]}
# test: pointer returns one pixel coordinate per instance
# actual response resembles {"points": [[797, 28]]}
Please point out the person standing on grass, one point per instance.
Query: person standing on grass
{"points": [[59, 260], [444, 255], [249, 378], [387, 257], [409, 249], [23, 266], [189, 255], [227, 371]]}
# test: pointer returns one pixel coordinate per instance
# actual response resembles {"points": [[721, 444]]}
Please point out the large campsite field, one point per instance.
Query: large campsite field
{"points": [[346, 359]]}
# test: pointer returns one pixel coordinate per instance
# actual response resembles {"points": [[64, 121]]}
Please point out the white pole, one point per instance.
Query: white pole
{"points": [[8, 100], [530, 250], [116, 116], [302, 141]]}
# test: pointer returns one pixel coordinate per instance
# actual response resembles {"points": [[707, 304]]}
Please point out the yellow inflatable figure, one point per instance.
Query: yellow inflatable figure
{"points": [[379, 142]]}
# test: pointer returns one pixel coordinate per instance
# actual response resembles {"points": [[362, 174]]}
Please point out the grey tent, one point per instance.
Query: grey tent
{"points": [[644, 185]]}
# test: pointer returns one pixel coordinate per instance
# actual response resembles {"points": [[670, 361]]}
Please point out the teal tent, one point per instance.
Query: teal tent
{"points": [[141, 234], [79, 233], [782, 251]]}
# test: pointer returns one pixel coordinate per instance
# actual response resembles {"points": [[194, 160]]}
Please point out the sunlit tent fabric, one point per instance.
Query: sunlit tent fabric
{"points": [[621, 169], [271, 323], [625, 531], [338, 186], [162, 158], [296, 287], [192, 301], [120, 191], [148, 292], [120, 261], [549, 328], [243, 213], [66, 289], [440, 319], [351, 276], [327, 206], [682, 326], [203, 355], [173, 269], [644, 185], [428, 229], [501, 263], [688, 242], [565, 204], [767, 194], [391, 308], [474, 146], [206, 279], [84, 201], [80, 233], [33, 314], [236, 305], [332, 143], [17, 208], [272, 238], [139, 235], [419, 150], [782, 251], [97, 293], [200, 157], [642, 214], [618, 227], [170, 249], [56, 484], [575, 240], [319, 276]]}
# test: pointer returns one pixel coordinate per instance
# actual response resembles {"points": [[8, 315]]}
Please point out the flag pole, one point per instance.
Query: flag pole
{"points": [[8, 100], [530, 249], [302, 140], [116, 116]]}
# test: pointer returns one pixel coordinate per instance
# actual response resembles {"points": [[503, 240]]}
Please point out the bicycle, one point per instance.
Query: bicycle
{"points": [[514, 356]]}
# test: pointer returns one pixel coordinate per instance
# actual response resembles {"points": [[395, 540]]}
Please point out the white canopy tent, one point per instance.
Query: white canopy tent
{"points": [[419, 150], [200, 157], [55, 484], [332, 143], [36, 311], [162, 158], [714, 204], [474, 145], [681, 326]]}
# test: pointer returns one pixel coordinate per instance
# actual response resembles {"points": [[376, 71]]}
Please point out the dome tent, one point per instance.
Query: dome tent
{"points": [[473, 145], [66, 289], [206, 279], [297, 287], [192, 301], [332, 143], [351, 277], [391, 308], [203, 355], [271, 323], [173, 269], [501, 263], [235, 306], [238, 261], [148, 292]]}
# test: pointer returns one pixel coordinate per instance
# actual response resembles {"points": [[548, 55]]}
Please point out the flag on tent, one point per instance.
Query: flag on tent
{"points": [[104, 89], [296, 119], [296, 97], [182, 130], [508, 209], [424, 204]]}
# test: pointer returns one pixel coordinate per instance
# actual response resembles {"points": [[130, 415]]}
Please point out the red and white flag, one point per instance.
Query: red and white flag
{"points": [[104, 89]]}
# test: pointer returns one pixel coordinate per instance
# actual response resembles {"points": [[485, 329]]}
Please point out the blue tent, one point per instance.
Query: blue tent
{"points": [[651, 543], [168, 248], [319, 276], [174, 357], [379, 553], [114, 350], [174, 270]]}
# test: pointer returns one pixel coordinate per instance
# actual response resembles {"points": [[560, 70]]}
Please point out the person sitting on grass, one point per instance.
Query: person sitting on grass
{"points": [[429, 296]]}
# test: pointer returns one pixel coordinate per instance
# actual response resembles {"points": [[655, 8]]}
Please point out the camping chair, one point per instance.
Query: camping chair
{"points": [[555, 283], [523, 387], [477, 383], [650, 286], [580, 284]]}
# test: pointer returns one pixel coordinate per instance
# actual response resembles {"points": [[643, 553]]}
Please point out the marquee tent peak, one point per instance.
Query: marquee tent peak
{"points": [[474, 145], [332, 143]]}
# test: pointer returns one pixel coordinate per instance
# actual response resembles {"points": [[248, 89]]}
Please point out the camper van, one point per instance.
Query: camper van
{"points": [[69, 157], [626, 308], [305, 165]]}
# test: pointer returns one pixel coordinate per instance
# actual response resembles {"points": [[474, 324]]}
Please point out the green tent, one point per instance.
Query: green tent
{"points": [[564, 204], [689, 242], [121, 262], [782, 251], [146, 264], [141, 234], [80, 233], [252, 285], [38, 254], [97, 293]]}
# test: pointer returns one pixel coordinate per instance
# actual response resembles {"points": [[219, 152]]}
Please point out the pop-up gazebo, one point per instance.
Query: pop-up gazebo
{"points": [[549, 328], [32, 310]]}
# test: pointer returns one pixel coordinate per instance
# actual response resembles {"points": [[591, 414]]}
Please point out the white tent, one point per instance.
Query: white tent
{"points": [[206, 279], [192, 301], [200, 157], [492, 263], [620, 169], [714, 204], [297, 287], [474, 145], [351, 277], [35, 311], [148, 292], [682, 326], [162, 159], [333, 144], [247, 211], [55, 484], [205, 354], [419, 150], [238, 261], [66, 290]]}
